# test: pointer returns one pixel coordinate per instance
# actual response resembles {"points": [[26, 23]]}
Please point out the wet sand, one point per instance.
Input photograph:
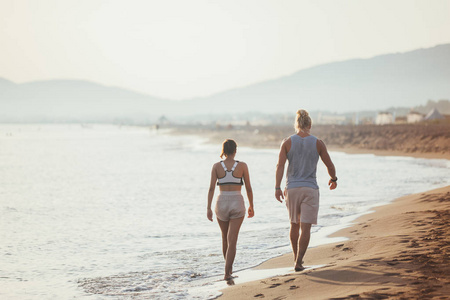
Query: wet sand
{"points": [[400, 251]]}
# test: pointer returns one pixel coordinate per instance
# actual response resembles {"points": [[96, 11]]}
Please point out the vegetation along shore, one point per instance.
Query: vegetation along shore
{"points": [[428, 140]]}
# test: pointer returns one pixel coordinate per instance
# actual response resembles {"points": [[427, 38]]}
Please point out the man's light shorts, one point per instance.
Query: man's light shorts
{"points": [[303, 205]]}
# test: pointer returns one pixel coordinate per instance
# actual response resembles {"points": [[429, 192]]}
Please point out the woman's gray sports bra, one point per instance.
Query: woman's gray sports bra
{"points": [[229, 177]]}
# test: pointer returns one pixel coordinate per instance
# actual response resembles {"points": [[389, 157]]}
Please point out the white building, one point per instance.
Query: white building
{"points": [[330, 119], [414, 117], [384, 118]]}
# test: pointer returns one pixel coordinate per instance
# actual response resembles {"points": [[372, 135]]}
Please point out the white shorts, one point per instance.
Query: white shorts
{"points": [[230, 205], [303, 205]]}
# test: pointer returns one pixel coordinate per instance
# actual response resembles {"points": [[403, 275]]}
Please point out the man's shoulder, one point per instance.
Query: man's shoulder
{"points": [[286, 140], [286, 144], [289, 138]]}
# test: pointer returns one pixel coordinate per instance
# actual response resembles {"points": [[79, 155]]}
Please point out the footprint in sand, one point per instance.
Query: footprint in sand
{"points": [[365, 265], [293, 287], [259, 296], [289, 280], [274, 285]]}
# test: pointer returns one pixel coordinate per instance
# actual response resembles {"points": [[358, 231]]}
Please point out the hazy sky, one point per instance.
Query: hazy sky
{"points": [[185, 48]]}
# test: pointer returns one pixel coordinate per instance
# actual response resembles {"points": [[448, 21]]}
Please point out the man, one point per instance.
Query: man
{"points": [[302, 150]]}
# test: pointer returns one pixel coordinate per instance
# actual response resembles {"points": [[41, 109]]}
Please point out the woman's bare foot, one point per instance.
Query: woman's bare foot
{"points": [[229, 277]]}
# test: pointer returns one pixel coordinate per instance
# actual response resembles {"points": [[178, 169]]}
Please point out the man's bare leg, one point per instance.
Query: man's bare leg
{"points": [[294, 235], [303, 243]]}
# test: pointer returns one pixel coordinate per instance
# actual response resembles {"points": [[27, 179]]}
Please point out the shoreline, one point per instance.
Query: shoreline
{"points": [[354, 150], [394, 273], [429, 141], [399, 250]]}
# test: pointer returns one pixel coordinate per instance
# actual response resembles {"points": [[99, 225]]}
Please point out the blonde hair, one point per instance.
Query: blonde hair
{"points": [[302, 120], [228, 147]]}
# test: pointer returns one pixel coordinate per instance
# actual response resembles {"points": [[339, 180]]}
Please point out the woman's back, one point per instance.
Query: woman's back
{"points": [[235, 171]]}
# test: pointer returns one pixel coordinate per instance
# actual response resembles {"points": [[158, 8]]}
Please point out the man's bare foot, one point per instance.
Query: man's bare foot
{"points": [[299, 268]]}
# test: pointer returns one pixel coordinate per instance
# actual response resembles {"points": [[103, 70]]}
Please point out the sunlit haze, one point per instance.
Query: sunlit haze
{"points": [[182, 49]]}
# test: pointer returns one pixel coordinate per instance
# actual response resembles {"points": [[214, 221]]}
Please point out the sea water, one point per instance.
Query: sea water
{"points": [[110, 212]]}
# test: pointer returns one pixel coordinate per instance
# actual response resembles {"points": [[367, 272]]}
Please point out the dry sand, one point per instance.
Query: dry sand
{"points": [[401, 251], [418, 140]]}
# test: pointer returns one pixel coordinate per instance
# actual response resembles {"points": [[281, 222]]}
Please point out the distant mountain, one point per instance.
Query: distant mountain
{"points": [[402, 79], [75, 101], [392, 80]]}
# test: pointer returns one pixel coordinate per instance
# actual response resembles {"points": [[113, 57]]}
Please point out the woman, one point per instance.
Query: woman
{"points": [[229, 175], [302, 150]]}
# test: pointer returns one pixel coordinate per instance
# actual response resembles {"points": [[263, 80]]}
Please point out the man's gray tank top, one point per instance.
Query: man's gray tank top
{"points": [[303, 158]]}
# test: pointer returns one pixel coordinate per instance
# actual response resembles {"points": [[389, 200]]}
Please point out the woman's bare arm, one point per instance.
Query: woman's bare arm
{"points": [[212, 187], [248, 188]]}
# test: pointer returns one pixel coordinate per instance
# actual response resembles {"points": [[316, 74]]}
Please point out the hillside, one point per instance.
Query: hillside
{"points": [[75, 100], [402, 79], [392, 80]]}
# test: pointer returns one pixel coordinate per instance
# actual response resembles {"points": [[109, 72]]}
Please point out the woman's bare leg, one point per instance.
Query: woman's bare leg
{"points": [[234, 226], [224, 228]]}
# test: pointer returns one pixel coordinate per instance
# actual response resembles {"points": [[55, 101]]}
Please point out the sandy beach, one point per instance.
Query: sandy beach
{"points": [[417, 140], [400, 251]]}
